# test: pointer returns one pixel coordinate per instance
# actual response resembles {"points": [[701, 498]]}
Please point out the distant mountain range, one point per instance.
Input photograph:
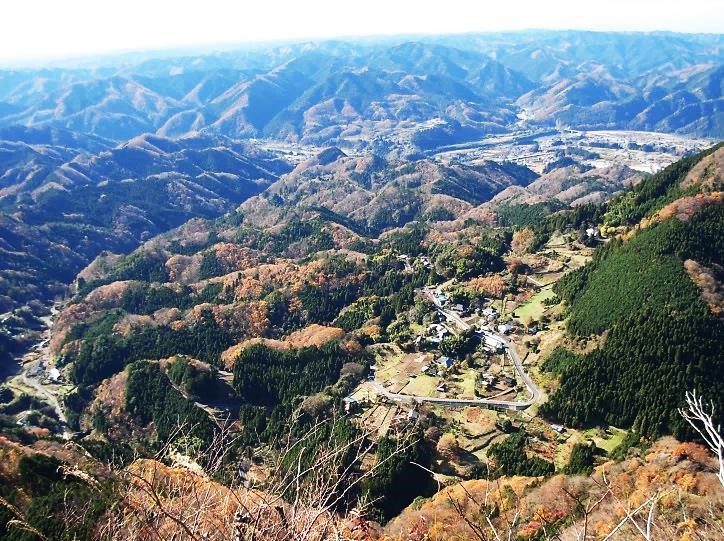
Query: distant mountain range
{"points": [[61, 205], [102, 156], [348, 94]]}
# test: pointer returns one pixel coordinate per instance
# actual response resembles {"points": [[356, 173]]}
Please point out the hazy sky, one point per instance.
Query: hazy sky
{"points": [[34, 29]]}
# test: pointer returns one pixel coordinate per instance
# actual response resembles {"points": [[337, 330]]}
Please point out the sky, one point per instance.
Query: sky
{"points": [[41, 29]]}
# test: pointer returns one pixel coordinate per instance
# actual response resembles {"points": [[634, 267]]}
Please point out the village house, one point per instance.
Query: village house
{"points": [[505, 328], [438, 332], [54, 375], [351, 404], [445, 362], [489, 313], [493, 342]]}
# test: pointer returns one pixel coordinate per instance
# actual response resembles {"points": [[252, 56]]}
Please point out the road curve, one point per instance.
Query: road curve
{"points": [[45, 395], [535, 393], [480, 402]]}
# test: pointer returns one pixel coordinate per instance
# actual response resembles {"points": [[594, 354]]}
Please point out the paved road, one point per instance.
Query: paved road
{"points": [[484, 402], [40, 354], [45, 395], [448, 315]]}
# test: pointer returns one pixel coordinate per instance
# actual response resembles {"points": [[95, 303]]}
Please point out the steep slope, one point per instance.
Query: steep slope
{"points": [[574, 185], [116, 108], [28, 154], [530, 508], [549, 55], [249, 106], [598, 102], [653, 293]]}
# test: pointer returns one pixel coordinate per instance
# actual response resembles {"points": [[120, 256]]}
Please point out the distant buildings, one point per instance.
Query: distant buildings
{"points": [[489, 379], [493, 342], [54, 375], [425, 261], [438, 332]]}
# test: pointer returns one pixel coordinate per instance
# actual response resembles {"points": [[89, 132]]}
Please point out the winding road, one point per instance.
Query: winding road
{"points": [[40, 353], [535, 393], [46, 396]]}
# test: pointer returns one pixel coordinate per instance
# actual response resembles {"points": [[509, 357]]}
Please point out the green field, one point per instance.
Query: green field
{"points": [[534, 307], [556, 239], [605, 442], [422, 385], [466, 385]]}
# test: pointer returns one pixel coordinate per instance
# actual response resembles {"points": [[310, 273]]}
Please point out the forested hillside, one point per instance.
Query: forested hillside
{"points": [[259, 343], [664, 333], [60, 206]]}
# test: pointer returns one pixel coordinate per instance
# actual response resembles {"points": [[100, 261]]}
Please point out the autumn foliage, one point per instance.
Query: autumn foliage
{"points": [[493, 286], [523, 240]]}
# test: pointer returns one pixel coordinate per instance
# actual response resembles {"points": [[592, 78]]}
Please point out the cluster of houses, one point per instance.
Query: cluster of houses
{"points": [[49, 374], [489, 314], [442, 300], [440, 297], [490, 380], [444, 362], [438, 368], [435, 333], [489, 318], [425, 261], [506, 328], [492, 343], [409, 261]]}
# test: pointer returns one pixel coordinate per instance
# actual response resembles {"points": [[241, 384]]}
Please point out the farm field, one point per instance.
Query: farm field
{"points": [[534, 307]]}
